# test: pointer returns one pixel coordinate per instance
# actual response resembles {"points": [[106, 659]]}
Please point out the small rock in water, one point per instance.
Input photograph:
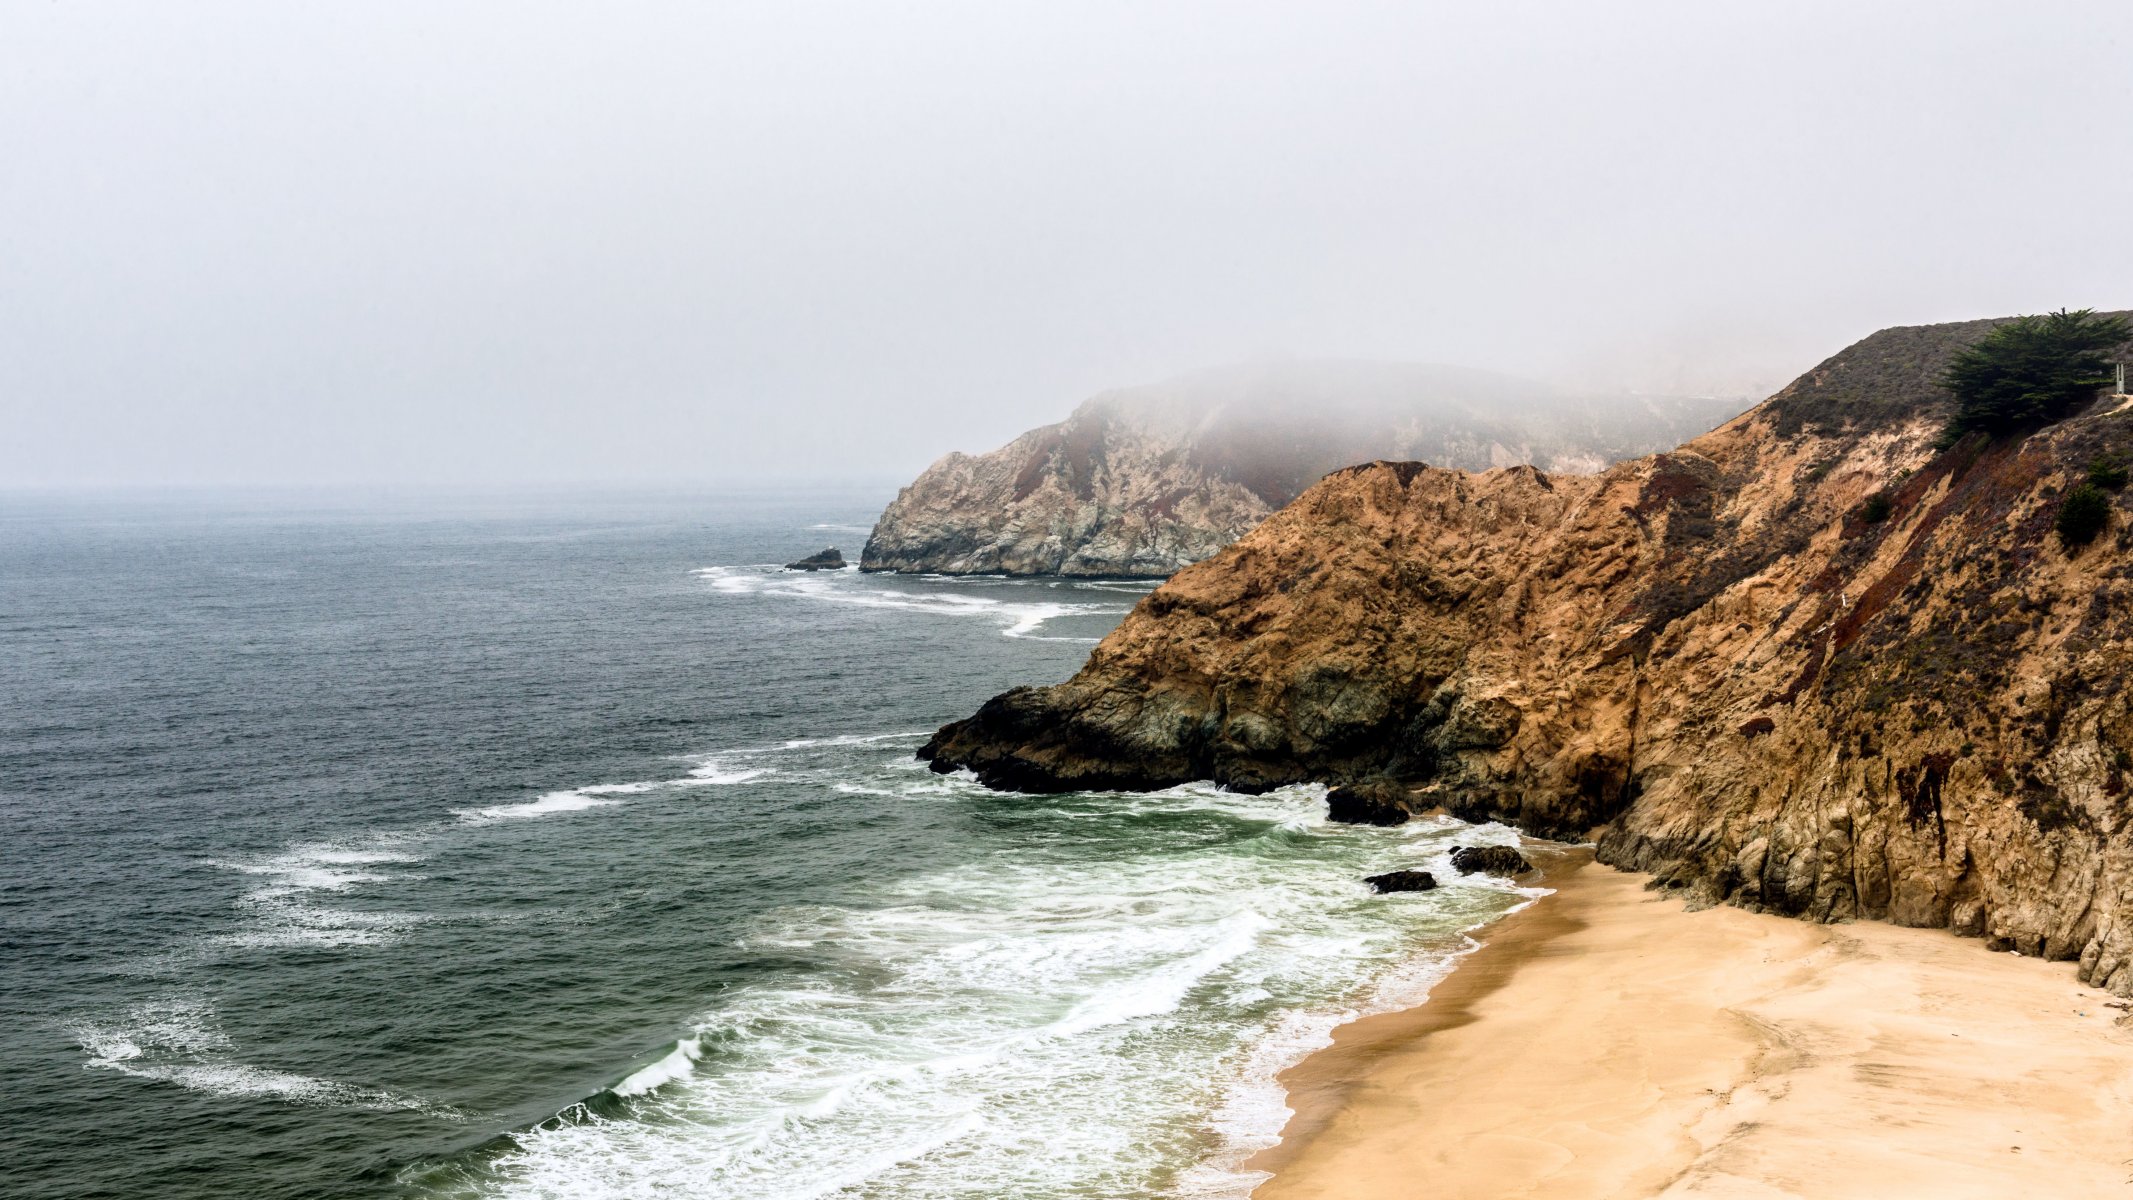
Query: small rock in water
{"points": [[1374, 803], [1401, 881], [828, 560], [1496, 860]]}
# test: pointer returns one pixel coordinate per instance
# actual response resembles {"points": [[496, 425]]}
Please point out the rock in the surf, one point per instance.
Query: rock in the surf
{"points": [[827, 560], [1401, 881], [1377, 802], [1494, 860]]}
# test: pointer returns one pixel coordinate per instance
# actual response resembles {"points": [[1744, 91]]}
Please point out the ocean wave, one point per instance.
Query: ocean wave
{"points": [[678, 1063], [1017, 619], [178, 1041], [1162, 990], [282, 910], [621, 789], [846, 739], [715, 773], [1071, 1018], [547, 804]]}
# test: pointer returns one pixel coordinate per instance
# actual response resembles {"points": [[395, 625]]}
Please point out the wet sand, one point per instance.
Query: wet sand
{"points": [[1604, 1042]]}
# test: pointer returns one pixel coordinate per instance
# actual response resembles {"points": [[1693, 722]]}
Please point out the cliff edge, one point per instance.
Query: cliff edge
{"points": [[1140, 482], [1720, 662]]}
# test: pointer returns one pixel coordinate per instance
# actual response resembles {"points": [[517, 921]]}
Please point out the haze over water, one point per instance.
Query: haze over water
{"points": [[539, 846]]}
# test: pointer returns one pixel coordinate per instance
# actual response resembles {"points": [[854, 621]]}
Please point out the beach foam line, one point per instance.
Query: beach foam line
{"points": [[1937, 1069], [1064, 996]]}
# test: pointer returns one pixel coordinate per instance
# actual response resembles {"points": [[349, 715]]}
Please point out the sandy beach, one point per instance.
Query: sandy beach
{"points": [[1606, 1042]]}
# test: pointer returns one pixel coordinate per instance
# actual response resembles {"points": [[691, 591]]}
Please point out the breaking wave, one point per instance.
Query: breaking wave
{"points": [[1076, 1018], [178, 1041], [949, 597]]}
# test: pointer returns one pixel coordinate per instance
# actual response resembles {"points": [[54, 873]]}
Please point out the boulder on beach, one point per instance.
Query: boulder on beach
{"points": [[827, 560], [1495, 860], [1401, 881]]}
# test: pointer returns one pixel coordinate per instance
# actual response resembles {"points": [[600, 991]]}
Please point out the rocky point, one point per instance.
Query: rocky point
{"points": [[1140, 482], [1719, 662]]}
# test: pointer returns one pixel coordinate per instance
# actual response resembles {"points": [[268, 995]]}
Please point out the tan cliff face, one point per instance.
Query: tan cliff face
{"points": [[1705, 658], [1141, 482]]}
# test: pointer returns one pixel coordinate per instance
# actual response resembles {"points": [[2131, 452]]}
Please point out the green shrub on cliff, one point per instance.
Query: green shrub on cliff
{"points": [[2108, 472], [2031, 370], [2082, 515]]}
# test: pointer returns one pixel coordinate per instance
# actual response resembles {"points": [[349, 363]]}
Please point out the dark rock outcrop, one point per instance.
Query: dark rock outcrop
{"points": [[826, 560], [1401, 881], [1491, 860], [1371, 802], [1140, 482], [1704, 660]]}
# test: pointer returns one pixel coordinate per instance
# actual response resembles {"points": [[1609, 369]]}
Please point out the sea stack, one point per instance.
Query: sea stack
{"points": [[826, 560]]}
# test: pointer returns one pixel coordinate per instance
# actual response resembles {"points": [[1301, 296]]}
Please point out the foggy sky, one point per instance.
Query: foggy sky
{"points": [[427, 242]]}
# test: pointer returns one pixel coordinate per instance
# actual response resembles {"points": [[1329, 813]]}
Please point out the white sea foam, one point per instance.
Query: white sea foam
{"points": [[847, 739], [1017, 618], [710, 771], [621, 789], [1160, 991], [679, 1063], [1066, 1019], [283, 909], [1114, 990], [178, 1041], [716, 773], [546, 805]]}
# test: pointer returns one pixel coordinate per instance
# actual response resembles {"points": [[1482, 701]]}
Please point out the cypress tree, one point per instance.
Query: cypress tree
{"points": [[2031, 371]]}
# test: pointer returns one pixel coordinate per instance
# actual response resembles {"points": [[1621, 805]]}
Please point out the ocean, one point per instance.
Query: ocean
{"points": [[562, 845]]}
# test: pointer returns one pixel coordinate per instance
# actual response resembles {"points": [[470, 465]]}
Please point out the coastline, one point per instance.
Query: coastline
{"points": [[1605, 1042]]}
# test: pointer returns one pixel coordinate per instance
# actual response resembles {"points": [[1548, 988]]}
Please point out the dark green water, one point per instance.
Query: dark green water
{"points": [[564, 847]]}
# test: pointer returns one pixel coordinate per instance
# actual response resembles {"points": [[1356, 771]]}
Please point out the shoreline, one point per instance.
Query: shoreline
{"points": [[1320, 1084], [1602, 1041]]}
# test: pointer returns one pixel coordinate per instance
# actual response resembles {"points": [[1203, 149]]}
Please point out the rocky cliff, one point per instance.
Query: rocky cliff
{"points": [[1138, 483], [1709, 660]]}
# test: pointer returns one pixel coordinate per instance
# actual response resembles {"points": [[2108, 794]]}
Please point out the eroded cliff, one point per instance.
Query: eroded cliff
{"points": [[1140, 482], [1709, 660]]}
